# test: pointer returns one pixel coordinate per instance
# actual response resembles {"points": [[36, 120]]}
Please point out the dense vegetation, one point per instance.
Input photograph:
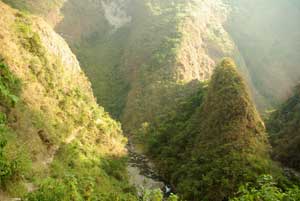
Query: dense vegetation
{"points": [[152, 73], [120, 62], [13, 158], [284, 128], [10, 86], [207, 154], [144, 66], [265, 189]]}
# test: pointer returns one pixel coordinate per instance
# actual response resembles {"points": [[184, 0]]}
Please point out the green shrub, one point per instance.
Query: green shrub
{"points": [[14, 161], [6, 167], [265, 189], [11, 167], [153, 195], [115, 167], [56, 190], [173, 198], [30, 40], [10, 86]]}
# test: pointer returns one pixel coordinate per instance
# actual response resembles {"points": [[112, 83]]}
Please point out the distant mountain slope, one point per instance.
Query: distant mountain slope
{"points": [[267, 34], [284, 128], [67, 145]]}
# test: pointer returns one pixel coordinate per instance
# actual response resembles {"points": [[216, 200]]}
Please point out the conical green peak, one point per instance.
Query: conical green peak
{"points": [[228, 62]]}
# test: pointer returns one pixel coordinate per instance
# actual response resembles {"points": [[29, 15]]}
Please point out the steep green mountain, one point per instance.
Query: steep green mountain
{"points": [[56, 143], [219, 146], [137, 53], [118, 41], [283, 127], [149, 62], [141, 54]]}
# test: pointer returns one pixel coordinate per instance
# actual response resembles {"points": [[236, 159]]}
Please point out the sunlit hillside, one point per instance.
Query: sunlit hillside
{"points": [[149, 100]]}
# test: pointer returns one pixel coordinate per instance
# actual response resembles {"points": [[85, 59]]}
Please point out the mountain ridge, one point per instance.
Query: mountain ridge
{"points": [[58, 114]]}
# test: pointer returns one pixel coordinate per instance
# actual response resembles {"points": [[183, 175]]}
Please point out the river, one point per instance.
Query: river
{"points": [[141, 171]]}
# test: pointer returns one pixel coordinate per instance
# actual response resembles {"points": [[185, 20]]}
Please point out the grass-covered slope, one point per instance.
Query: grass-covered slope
{"points": [[284, 128], [220, 146], [56, 142]]}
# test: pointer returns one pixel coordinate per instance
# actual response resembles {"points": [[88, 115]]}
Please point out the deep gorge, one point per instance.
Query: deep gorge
{"points": [[199, 86]]}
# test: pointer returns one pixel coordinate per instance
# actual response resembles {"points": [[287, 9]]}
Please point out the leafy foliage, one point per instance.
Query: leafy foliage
{"points": [[53, 190], [6, 166], [11, 166], [166, 139], [155, 195], [265, 189], [173, 197], [10, 86]]}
